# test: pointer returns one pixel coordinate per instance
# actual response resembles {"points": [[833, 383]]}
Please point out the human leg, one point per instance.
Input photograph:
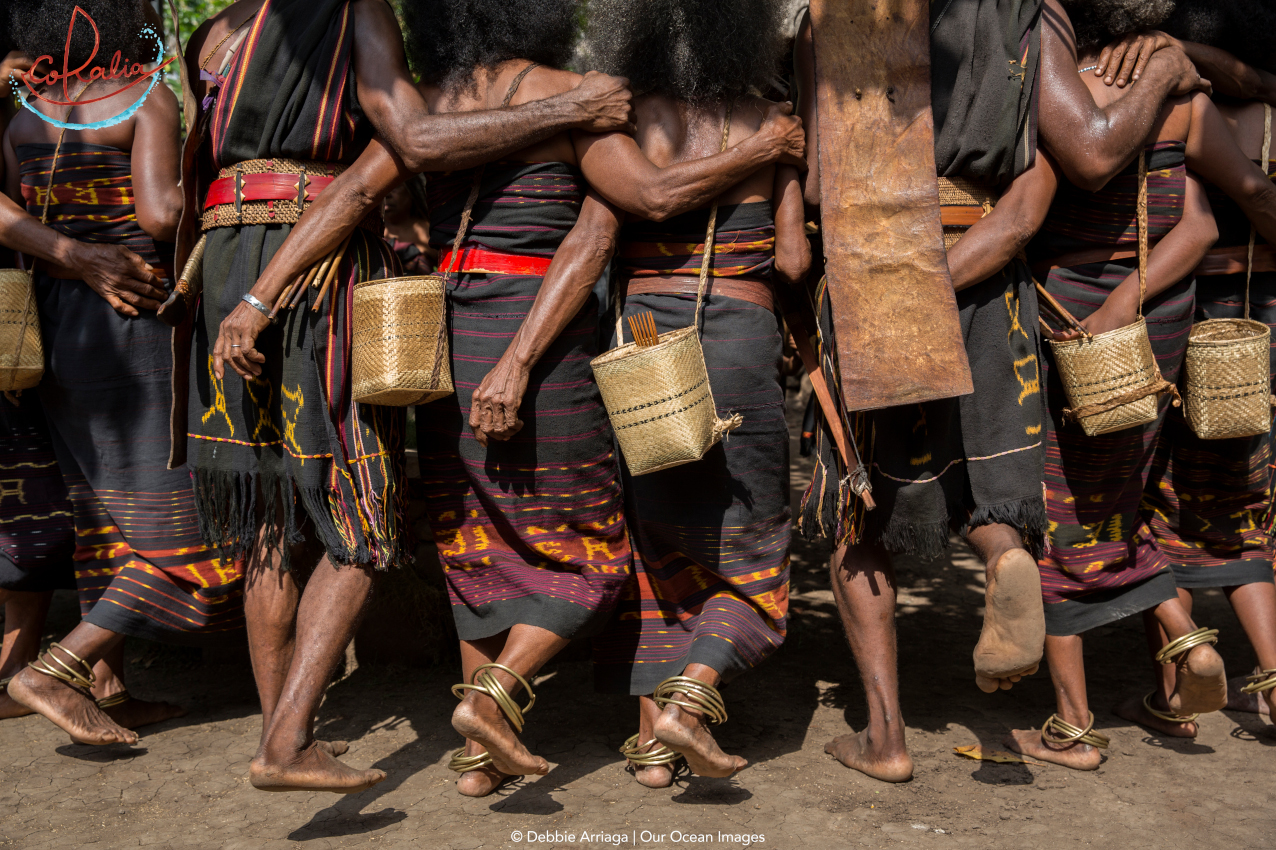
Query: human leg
{"points": [[1011, 642], [1200, 684], [478, 781], [24, 615], [1067, 672], [290, 758], [685, 730], [863, 583], [1255, 607], [1153, 710], [654, 775]]}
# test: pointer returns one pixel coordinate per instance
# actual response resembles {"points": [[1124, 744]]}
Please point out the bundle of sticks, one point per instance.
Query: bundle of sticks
{"points": [[1060, 312], [320, 276], [643, 327]]}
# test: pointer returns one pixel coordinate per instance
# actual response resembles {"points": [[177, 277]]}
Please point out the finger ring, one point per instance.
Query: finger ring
{"points": [[232, 345]]}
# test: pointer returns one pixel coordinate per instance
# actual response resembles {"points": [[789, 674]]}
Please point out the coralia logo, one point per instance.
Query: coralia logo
{"points": [[119, 68]]}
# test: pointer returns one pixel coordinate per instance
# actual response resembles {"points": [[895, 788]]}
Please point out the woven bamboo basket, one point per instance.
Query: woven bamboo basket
{"points": [[1227, 379], [659, 401], [21, 349], [1109, 366], [400, 347]]}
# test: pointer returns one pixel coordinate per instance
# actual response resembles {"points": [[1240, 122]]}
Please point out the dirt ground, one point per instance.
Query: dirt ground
{"points": [[185, 785]]}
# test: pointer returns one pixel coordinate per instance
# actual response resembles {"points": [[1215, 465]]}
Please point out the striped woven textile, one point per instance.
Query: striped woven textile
{"points": [[743, 247], [293, 436], [530, 530], [712, 537], [1102, 561], [36, 535], [92, 194], [1212, 503]]}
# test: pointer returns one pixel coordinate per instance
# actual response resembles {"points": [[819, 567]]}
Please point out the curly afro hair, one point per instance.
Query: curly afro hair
{"points": [[1098, 22], [39, 28], [695, 51], [1245, 28], [448, 40]]}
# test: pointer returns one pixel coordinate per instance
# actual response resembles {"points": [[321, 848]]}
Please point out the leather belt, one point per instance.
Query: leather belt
{"points": [[1234, 260], [265, 187], [960, 216], [483, 261], [270, 191], [759, 292]]}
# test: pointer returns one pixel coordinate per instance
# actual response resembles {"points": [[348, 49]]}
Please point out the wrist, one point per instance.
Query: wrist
{"points": [[64, 252]]}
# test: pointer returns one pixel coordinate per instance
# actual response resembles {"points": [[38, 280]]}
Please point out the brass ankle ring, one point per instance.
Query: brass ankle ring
{"points": [[485, 683], [700, 697], [1069, 734], [114, 699], [1172, 650], [1260, 682], [461, 763], [1169, 717], [64, 672], [633, 752]]}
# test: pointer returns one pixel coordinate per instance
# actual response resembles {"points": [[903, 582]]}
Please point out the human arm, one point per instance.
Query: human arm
{"points": [[792, 247], [577, 265], [1228, 75], [156, 165], [618, 170], [1213, 154], [804, 69], [11, 64], [1091, 145], [112, 271], [1170, 260], [458, 140], [998, 237]]}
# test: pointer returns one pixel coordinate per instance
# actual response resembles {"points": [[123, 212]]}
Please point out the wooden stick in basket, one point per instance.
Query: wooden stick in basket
{"points": [[1062, 312], [331, 274], [316, 274], [286, 296]]}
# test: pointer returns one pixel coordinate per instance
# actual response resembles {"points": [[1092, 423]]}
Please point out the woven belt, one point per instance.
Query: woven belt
{"points": [[482, 261], [1233, 260], [759, 292], [1091, 255], [270, 191]]}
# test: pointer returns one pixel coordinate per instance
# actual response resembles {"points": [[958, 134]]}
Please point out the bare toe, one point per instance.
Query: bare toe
{"points": [[889, 763], [135, 713], [1135, 711], [486, 726], [687, 735], [312, 769], [69, 709], [1028, 742]]}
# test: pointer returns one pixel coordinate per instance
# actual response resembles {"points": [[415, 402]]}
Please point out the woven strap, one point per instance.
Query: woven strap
{"points": [[1260, 682], [1267, 149], [638, 755], [1177, 647], [1168, 716], [485, 683], [83, 678], [1059, 732], [461, 763], [1158, 386], [698, 696]]}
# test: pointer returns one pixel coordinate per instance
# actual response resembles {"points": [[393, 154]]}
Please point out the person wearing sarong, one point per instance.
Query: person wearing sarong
{"points": [[709, 599], [140, 566], [1102, 562], [289, 469]]}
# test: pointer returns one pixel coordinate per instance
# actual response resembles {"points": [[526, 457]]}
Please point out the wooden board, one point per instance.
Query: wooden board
{"points": [[894, 311]]}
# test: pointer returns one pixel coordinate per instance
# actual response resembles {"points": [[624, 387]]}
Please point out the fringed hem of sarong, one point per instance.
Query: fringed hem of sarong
{"points": [[1075, 616], [1027, 516], [226, 503], [642, 678], [1231, 574]]}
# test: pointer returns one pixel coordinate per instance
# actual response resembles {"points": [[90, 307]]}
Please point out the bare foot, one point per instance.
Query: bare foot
{"points": [[481, 782], [336, 748], [1253, 703], [857, 752], [1014, 632], [478, 718], [134, 713], [312, 769], [1134, 711], [1028, 742], [654, 775], [9, 708], [687, 735], [68, 709], [1201, 683]]}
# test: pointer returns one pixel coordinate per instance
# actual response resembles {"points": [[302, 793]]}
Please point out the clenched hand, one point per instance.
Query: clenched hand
{"points": [[606, 103], [494, 406]]}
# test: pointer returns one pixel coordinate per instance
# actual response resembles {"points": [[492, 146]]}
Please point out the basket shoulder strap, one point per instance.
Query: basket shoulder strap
{"points": [[468, 213], [707, 262], [1143, 227], [57, 149], [1267, 150]]}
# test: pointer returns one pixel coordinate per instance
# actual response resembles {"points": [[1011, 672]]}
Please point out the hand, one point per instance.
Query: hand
{"points": [[1119, 310], [236, 338], [1126, 58], [1181, 70], [123, 278], [494, 406], [16, 61], [783, 131], [605, 102]]}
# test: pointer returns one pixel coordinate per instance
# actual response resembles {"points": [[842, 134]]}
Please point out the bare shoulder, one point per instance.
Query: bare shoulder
{"points": [[219, 25], [545, 82], [751, 110]]}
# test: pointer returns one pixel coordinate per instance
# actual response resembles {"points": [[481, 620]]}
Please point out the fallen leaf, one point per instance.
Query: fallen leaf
{"points": [[975, 751]]}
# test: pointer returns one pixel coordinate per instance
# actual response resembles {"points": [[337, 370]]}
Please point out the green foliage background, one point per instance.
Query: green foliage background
{"points": [[190, 14]]}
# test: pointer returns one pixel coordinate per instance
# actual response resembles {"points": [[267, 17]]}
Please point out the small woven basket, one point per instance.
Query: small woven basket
{"points": [[1106, 367], [659, 401], [400, 347], [1227, 379], [21, 349]]}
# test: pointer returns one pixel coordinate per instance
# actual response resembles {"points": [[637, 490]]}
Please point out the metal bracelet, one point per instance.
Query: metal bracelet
{"points": [[252, 301]]}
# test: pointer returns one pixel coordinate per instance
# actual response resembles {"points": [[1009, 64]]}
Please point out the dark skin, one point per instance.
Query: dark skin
{"points": [[1199, 685], [151, 138], [402, 224], [297, 638], [1125, 60]]}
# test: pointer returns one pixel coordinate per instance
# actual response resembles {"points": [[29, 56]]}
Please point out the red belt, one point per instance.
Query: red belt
{"points": [[483, 261], [264, 187]]}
